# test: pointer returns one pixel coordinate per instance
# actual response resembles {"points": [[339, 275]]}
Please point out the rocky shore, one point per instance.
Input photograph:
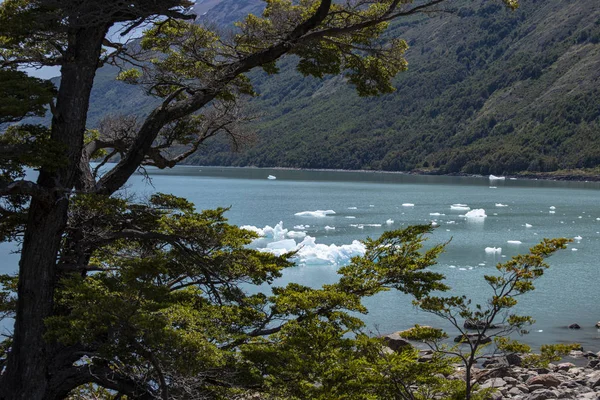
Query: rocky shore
{"points": [[565, 380]]}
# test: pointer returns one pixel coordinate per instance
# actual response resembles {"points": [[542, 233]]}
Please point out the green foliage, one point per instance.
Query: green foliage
{"points": [[23, 96], [548, 352], [515, 278]]}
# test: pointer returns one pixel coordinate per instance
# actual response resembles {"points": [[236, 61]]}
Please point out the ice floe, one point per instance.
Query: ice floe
{"points": [[501, 205], [528, 225], [361, 226], [350, 217], [352, 208], [389, 221], [578, 237], [329, 228], [493, 250], [271, 177], [307, 251], [573, 249], [497, 178], [514, 242], [476, 213], [317, 214], [552, 208], [301, 227], [408, 205], [436, 214]]}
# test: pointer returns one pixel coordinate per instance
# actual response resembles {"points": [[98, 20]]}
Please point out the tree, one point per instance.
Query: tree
{"points": [[495, 319], [198, 76]]}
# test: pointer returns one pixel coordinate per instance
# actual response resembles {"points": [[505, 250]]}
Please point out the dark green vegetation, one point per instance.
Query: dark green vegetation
{"points": [[488, 90]]}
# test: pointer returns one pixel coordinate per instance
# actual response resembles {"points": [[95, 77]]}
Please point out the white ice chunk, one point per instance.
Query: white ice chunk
{"points": [[577, 237], [481, 264], [451, 266], [408, 205], [352, 208], [493, 187], [552, 212], [301, 227], [389, 221], [528, 225], [552, 208], [329, 228], [493, 250], [513, 242], [460, 207], [497, 178], [476, 213], [271, 177], [371, 205], [462, 269], [436, 214], [296, 235], [513, 179], [573, 249], [317, 214], [434, 224], [350, 217], [286, 244], [451, 222], [501, 205]]}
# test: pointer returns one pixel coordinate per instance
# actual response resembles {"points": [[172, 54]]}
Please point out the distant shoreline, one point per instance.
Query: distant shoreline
{"points": [[546, 176]]}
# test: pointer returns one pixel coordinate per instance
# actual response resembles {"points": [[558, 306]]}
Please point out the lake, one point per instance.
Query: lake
{"points": [[367, 204]]}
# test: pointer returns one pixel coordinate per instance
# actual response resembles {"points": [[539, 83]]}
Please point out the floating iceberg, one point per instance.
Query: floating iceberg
{"points": [[434, 224], [271, 177], [389, 221], [276, 233], [493, 250], [408, 205], [552, 208], [577, 238], [497, 178], [477, 213], [296, 235], [329, 228], [552, 212], [501, 205], [513, 242], [493, 187], [436, 214], [528, 225], [352, 208], [317, 214], [573, 249], [301, 227], [350, 217], [460, 207]]}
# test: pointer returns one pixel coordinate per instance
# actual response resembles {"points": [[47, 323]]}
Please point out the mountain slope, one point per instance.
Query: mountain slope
{"points": [[487, 91]]}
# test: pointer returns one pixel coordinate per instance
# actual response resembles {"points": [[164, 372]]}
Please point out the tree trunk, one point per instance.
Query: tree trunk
{"points": [[27, 375]]}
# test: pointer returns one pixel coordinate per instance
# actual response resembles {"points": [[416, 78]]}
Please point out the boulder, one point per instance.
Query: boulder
{"points": [[547, 380], [495, 362], [470, 324], [540, 394], [565, 366], [472, 337], [574, 326], [395, 342], [493, 383], [514, 359]]}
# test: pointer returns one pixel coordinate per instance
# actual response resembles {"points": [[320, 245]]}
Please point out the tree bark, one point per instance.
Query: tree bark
{"points": [[27, 374]]}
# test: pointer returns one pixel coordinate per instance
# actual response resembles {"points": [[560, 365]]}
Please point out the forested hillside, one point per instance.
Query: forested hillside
{"points": [[488, 90]]}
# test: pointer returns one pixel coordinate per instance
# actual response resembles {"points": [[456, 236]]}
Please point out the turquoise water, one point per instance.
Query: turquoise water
{"points": [[568, 293]]}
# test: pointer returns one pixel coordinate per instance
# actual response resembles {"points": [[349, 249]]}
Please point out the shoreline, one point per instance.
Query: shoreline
{"points": [[545, 176]]}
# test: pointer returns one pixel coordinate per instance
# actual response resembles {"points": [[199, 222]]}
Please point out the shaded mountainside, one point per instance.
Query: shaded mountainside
{"points": [[487, 91]]}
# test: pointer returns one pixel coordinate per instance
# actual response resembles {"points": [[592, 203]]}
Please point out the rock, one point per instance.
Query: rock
{"points": [[548, 380], [576, 354], [540, 394], [493, 383], [472, 337], [574, 326], [395, 342], [590, 354], [514, 359], [593, 363], [593, 380], [565, 366], [515, 391], [470, 324], [495, 362]]}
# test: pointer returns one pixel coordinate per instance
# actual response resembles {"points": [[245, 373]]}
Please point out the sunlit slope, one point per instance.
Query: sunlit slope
{"points": [[488, 91]]}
